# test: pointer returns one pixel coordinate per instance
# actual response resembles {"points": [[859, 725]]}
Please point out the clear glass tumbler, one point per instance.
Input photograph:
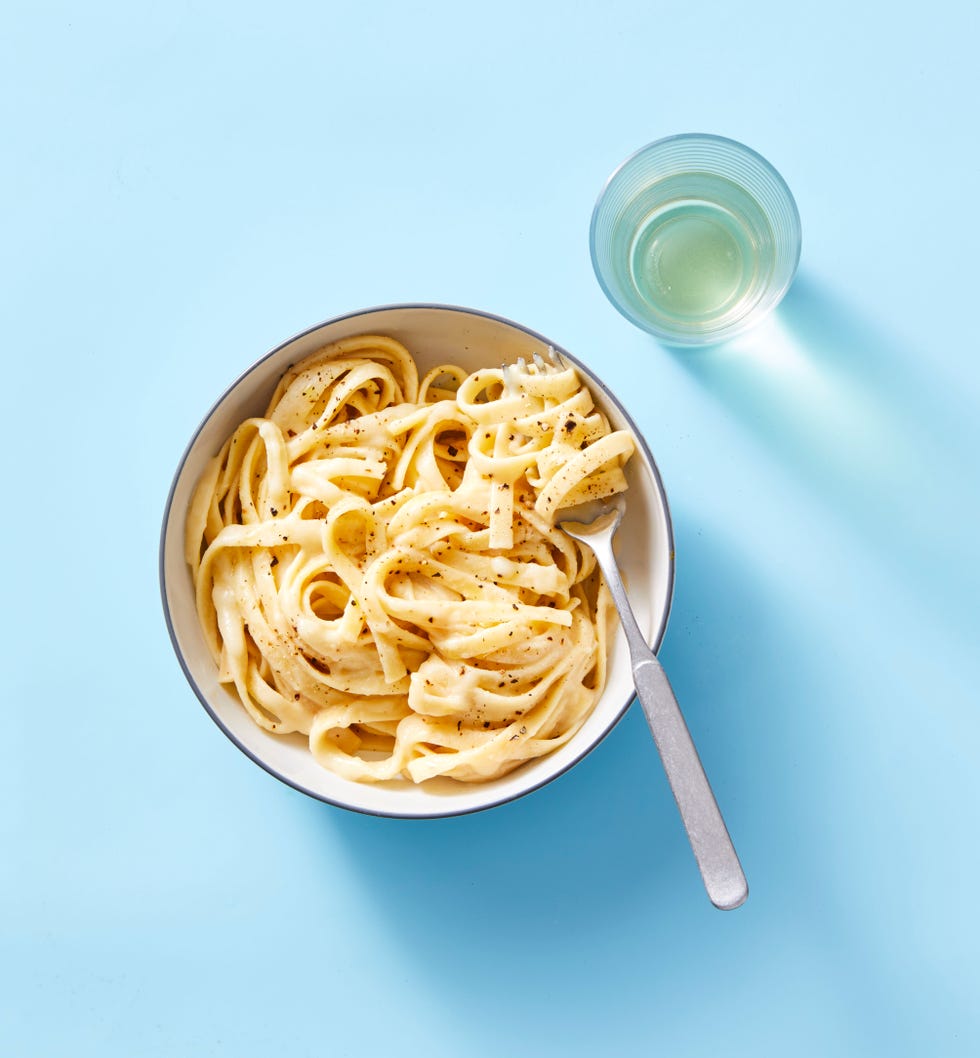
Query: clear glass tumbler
{"points": [[695, 238]]}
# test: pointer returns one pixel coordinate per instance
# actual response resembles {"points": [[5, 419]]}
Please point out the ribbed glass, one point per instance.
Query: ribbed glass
{"points": [[695, 238]]}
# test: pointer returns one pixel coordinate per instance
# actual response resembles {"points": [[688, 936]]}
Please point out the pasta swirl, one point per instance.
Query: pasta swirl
{"points": [[376, 563]]}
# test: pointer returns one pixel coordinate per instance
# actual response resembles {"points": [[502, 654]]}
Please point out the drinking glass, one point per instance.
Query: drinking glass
{"points": [[695, 238]]}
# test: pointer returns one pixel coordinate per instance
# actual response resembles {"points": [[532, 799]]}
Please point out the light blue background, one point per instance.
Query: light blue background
{"points": [[183, 186]]}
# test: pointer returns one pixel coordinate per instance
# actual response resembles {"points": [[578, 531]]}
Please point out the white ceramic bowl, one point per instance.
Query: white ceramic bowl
{"points": [[434, 334]]}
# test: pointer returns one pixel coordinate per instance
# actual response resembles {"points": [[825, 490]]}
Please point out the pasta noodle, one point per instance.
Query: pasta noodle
{"points": [[376, 563]]}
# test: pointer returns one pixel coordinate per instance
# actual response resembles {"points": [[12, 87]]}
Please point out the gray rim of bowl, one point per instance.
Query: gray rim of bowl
{"points": [[658, 638], [666, 337]]}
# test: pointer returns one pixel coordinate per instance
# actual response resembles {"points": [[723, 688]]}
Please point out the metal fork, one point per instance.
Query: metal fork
{"points": [[555, 362], [717, 860]]}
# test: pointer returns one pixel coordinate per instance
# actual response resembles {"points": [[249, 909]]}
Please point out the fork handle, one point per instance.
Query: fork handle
{"points": [[714, 852]]}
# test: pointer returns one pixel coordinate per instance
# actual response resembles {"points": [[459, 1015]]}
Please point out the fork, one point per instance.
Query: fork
{"points": [[555, 362], [594, 524]]}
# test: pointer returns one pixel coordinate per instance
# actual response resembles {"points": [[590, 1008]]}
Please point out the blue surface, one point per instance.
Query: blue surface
{"points": [[184, 188]]}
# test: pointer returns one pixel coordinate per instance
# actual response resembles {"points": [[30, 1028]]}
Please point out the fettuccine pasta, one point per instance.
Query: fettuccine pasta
{"points": [[377, 567]]}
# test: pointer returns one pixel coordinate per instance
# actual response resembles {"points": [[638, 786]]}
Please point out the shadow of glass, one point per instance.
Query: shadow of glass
{"points": [[874, 430]]}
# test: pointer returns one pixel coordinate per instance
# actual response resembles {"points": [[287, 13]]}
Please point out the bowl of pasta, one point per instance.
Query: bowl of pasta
{"points": [[361, 573]]}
